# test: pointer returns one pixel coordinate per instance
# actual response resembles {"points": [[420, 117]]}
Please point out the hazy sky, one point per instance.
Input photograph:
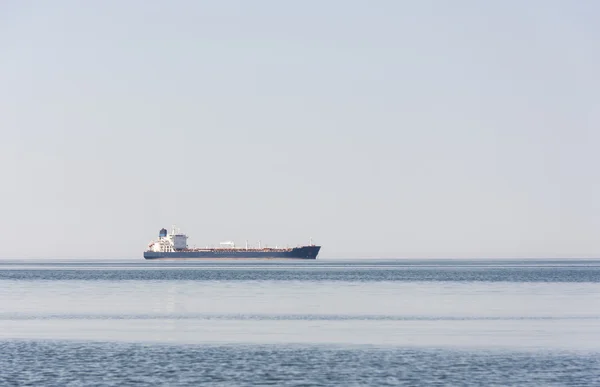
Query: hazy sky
{"points": [[379, 128]]}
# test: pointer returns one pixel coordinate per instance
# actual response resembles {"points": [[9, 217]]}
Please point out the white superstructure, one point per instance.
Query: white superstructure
{"points": [[169, 242]]}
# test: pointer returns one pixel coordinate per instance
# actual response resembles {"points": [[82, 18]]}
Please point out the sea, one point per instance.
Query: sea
{"points": [[442, 322]]}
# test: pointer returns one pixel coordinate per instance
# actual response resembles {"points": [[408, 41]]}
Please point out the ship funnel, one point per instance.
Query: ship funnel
{"points": [[162, 233]]}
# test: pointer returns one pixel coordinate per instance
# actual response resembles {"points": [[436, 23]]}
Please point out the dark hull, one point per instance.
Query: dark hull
{"points": [[305, 252]]}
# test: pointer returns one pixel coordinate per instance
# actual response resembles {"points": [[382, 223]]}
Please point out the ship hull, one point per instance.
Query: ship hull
{"points": [[305, 252]]}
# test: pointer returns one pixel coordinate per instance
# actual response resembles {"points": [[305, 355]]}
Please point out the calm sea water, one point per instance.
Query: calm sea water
{"points": [[391, 322]]}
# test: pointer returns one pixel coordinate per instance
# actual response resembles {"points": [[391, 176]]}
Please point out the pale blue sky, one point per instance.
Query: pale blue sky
{"points": [[379, 128]]}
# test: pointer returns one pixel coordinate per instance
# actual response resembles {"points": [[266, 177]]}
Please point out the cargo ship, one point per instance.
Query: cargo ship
{"points": [[174, 245]]}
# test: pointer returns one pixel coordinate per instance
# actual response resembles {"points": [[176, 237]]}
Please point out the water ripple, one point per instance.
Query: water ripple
{"points": [[110, 364], [283, 317]]}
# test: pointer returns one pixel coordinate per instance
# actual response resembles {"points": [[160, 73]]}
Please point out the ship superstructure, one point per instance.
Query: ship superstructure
{"points": [[174, 245]]}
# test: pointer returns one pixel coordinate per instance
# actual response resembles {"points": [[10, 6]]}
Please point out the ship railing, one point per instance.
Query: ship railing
{"points": [[241, 249]]}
